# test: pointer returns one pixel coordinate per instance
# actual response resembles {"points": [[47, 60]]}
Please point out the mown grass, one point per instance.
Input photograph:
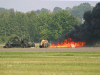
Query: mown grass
{"points": [[50, 63]]}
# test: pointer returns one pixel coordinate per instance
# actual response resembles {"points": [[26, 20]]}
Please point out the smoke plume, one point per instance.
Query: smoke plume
{"points": [[89, 31]]}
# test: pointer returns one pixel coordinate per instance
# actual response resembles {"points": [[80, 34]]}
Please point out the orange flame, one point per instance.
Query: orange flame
{"points": [[68, 43]]}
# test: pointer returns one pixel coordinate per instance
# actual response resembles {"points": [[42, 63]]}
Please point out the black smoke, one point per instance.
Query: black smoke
{"points": [[90, 30]]}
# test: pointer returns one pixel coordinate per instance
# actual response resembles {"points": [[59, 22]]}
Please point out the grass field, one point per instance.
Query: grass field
{"points": [[50, 63]]}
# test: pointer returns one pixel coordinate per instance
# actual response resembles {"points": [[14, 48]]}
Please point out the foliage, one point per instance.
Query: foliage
{"points": [[45, 25], [79, 10], [56, 9], [42, 10]]}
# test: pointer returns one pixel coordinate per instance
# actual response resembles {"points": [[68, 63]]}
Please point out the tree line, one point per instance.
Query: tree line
{"points": [[77, 11], [35, 26]]}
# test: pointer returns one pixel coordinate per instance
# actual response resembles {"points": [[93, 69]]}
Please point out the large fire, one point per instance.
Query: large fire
{"points": [[68, 43]]}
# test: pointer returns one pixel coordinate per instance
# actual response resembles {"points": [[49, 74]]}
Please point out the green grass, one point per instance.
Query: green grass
{"points": [[50, 63]]}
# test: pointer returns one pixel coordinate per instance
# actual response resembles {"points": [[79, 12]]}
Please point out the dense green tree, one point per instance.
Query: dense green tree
{"points": [[31, 23], [61, 23], [56, 9], [78, 11], [38, 11], [68, 9], [45, 10], [34, 26]]}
